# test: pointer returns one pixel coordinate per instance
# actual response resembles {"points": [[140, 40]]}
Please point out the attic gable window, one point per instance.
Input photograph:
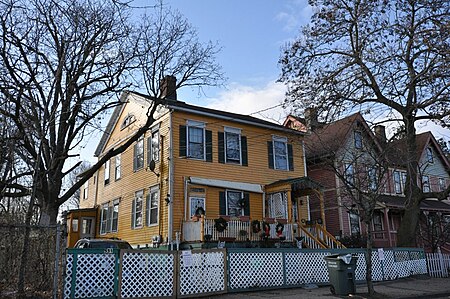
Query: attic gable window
{"points": [[358, 139], [429, 153], [128, 120]]}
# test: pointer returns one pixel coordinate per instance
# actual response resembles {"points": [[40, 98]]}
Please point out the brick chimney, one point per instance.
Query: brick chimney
{"points": [[311, 118], [168, 88], [380, 133]]}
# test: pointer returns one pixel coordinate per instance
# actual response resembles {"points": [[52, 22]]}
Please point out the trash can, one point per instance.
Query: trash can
{"points": [[341, 270]]}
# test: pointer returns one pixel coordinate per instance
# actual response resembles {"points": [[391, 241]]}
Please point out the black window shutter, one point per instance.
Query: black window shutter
{"points": [[149, 150], [208, 136], [247, 204], [147, 211], [270, 151], [183, 149], [244, 151], [221, 144], [222, 203], [290, 157]]}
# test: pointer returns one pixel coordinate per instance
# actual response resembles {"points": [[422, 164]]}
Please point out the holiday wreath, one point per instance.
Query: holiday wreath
{"points": [[279, 229], [220, 224], [256, 226]]}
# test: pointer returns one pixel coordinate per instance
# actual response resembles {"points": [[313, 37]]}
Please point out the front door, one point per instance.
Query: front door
{"points": [[87, 228]]}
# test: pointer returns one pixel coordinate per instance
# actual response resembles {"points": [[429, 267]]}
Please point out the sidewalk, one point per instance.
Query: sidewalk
{"points": [[416, 287]]}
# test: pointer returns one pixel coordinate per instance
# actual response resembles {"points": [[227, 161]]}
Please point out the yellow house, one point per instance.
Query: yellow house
{"points": [[201, 176]]}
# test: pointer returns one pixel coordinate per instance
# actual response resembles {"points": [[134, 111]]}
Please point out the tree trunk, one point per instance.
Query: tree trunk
{"points": [[370, 288], [49, 213], [406, 235]]}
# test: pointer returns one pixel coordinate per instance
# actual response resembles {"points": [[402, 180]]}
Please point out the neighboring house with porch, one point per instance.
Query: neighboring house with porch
{"points": [[197, 177], [349, 144]]}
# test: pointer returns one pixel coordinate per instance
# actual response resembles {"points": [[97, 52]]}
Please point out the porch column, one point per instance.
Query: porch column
{"points": [[388, 227], [322, 209]]}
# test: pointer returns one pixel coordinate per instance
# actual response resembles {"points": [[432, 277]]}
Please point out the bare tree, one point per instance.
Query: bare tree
{"points": [[64, 63], [434, 230], [386, 57]]}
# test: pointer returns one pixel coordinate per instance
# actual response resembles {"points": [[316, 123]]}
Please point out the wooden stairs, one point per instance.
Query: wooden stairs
{"points": [[316, 237]]}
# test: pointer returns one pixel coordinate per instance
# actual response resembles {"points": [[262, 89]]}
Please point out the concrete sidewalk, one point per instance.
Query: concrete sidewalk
{"points": [[415, 287]]}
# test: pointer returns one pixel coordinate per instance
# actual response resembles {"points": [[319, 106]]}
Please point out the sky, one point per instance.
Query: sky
{"points": [[251, 34]]}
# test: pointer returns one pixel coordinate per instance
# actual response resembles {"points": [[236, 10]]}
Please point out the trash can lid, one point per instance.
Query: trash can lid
{"points": [[346, 258]]}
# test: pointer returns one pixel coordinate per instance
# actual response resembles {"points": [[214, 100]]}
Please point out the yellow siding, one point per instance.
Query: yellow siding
{"points": [[257, 172]]}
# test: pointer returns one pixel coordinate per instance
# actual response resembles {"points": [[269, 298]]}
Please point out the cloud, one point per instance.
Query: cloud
{"points": [[264, 102], [295, 14]]}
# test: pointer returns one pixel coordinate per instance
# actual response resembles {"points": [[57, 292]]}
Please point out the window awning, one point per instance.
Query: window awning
{"points": [[255, 188]]}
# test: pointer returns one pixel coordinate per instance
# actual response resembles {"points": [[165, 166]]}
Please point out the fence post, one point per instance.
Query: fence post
{"points": [[56, 271]]}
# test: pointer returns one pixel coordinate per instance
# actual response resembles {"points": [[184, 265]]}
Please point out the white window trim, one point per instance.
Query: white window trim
{"points": [[114, 203], [233, 131], [200, 125], [104, 219], [136, 197], [118, 167], [107, 172], [350, 222], [154, 130], [135, 155], [285, 141], [86, 190], [154, 189], [226, 199]]}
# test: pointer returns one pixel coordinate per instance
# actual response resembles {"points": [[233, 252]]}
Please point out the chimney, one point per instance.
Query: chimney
{"points": [[168, 88], [311, 118], [380, 133]]}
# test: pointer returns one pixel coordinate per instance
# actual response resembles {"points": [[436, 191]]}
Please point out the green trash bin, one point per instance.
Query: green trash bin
{"points": [[341, 271]]}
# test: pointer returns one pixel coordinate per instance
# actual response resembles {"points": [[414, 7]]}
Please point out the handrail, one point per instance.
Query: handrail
{"points": [[310, 241], [328, 239]]}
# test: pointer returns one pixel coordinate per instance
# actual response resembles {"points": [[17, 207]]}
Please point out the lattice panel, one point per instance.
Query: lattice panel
{"points": [[255, 269], [94, 275], [204, 273], [147, 274], [308, 267], [68, 279]]}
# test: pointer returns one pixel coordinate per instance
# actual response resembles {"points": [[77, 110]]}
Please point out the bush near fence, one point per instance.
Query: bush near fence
{"points": [[143, 274], [40, 266]]}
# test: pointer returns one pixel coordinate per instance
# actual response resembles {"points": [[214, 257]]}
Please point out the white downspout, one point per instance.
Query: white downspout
{"points": [[305, 170], [170, 195]]}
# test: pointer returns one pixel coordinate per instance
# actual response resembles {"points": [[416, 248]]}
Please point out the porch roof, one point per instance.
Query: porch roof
{"points": [[298, 184], [398, 202]]}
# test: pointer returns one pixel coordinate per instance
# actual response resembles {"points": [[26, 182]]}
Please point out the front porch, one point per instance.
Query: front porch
{"points": [[268, 232]]}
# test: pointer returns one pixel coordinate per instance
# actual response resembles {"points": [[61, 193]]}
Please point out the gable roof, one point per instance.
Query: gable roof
{"points": [[328, 139], [177, 105], [397, 152]]}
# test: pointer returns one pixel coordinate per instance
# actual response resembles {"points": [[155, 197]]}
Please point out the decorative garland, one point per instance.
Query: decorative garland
{"points": [[220, 224], [256, 226], [279, 229], [266, 229]]}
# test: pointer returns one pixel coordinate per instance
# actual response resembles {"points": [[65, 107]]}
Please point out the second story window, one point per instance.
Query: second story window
{"points": [[153, 146], [430, 158], [358, 139], [426, 183], [372, 179], [349, 173], [118, 168], [397, 182], [195, 141], [280, 154], [138, 159], [136, 213], [152, 206], [107, 170], [232, 147]]}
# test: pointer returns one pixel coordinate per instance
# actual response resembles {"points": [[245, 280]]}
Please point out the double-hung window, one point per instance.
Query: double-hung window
{"points": [[349, 173], [118, 168], [107, 170], [442, 184], [138, 161], [280, 153], [372, 177], [354, 223], [153, 146], [233, 200], [426, 183], [136, 219], [232, 145], [86, 190], [358, 139], [109, 217], [397, 182], [429, 152], [152, 206], [104, 219], [196, 140], [378, 224]]}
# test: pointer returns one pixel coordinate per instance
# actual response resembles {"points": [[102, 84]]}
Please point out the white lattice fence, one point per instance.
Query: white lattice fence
{"points": [[255, 269], [91, 274], [202, 272], [306, 267], [438, 264], [147, 274]]}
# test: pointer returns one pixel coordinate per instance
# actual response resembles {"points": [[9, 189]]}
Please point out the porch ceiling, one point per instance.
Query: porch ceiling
{"points": [[304, 185]]}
